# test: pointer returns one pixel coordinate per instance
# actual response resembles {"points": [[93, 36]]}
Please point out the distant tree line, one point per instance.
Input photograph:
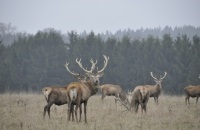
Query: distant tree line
{"points": [[34, 61]]}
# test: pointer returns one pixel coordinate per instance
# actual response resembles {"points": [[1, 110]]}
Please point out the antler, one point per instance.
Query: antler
{"points": [[81, 66], [105, 64], [66, 66], [153, 76], [124, 104], [93, 64], [163, 76]]}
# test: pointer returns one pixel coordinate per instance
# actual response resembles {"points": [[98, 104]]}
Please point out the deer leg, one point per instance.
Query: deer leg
{"points": [[154, 99], [45, 109], [76, 108], [85, 104], [102, 97], [197, 99], [136, 107], [69, 110], [189, 100], [157, 100], [48, 108], [145, 108], [80, 112], [186, 98], [72, 112]]}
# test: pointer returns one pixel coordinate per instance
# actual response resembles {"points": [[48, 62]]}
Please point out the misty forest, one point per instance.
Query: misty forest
{"points": [[29, 62]]}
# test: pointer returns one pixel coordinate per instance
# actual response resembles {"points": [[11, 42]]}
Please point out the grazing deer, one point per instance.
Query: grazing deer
{"points": [[154, 90], [57, 95], [80, 92], [136, 98], [192, 91], [113, 90]]}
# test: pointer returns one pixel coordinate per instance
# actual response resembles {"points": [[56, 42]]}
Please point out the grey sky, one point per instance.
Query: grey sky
{"points": [[98, 15]]}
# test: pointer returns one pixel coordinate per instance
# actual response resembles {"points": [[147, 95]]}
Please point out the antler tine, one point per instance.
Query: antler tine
{"points": [[127, 108], [164, 76], [105, 63], [93, 64], [153, 76], [66, 66], [81, 66]]}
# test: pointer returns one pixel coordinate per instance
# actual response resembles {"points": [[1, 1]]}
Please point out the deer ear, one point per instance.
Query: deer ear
{"points": [[100, 74]]}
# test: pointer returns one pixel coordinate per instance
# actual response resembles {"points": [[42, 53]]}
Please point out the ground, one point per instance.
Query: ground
{"points": [[25, 112]]}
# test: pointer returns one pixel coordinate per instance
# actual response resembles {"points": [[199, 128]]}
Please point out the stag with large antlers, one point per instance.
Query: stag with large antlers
{"points": [[58, 95], [192, 91], [154, 90], [80, 92]]}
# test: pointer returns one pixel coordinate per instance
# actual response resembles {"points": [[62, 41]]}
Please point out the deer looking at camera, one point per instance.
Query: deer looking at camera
{"points": [[192, 91], [154, 90], [80, 92]]}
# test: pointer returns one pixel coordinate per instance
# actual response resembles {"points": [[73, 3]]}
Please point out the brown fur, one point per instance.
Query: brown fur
{"points": [[192, 91], [57, 95], [112, 90], [54, 95], [140, 96], [83, 91]]}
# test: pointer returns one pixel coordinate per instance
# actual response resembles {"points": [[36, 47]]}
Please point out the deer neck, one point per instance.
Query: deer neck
{"points": [[158, 85], [92, 87]]}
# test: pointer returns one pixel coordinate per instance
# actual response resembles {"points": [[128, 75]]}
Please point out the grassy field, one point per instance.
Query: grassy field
{"points": [[25, 112]]}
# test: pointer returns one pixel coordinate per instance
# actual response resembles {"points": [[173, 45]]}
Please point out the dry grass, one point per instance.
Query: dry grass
{"points": [[25, 112]]}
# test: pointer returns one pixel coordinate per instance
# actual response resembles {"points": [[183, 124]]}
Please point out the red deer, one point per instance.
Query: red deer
{"points": [[80, 92], [57, 95], [113, 90], [192, 91], [136, 98], [154, 90]]}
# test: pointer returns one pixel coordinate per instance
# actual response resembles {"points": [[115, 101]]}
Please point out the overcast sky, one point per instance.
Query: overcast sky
{"points": [[98, 15]]}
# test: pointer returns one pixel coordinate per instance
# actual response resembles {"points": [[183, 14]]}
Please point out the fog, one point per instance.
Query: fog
{"points": [[98, 15]]}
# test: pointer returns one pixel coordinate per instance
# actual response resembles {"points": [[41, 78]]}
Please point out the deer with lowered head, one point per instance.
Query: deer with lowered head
{"points": [[113, 90], [192, 91], [57, 94], [154, 90], [136, 98], [80, 92]]}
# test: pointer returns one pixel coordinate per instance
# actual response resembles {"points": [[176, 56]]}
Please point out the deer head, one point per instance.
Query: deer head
{"points": [[94, 76], [158, 81]]}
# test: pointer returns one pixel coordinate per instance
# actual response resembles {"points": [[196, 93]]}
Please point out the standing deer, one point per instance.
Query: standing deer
{"points": [[80, 92], [57, 95], [154, 90], [192, 91], [113, 90]]}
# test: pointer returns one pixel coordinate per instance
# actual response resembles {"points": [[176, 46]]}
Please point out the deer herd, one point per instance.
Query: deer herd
{"points": [[77, 93]]}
